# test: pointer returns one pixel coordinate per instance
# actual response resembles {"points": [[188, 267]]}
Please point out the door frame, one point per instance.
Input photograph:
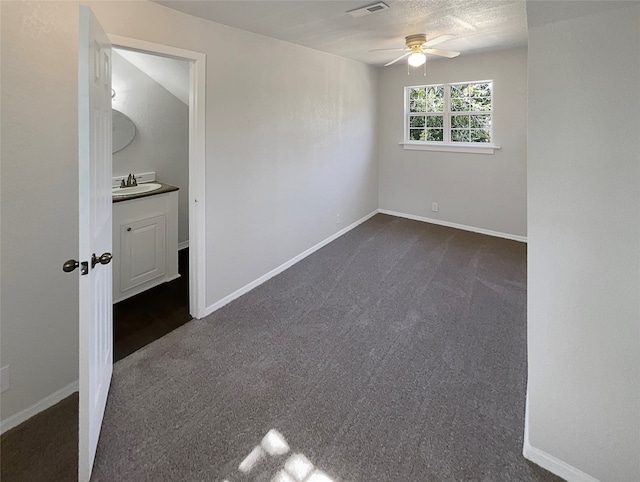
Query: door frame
{"points": [[197, 185]]}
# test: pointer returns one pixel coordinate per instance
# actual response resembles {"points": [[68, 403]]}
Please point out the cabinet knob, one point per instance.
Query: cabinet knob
{"points": [[128, 229]]}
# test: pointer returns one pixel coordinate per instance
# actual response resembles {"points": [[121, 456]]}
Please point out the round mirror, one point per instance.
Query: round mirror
{"points": [[124, 130]]}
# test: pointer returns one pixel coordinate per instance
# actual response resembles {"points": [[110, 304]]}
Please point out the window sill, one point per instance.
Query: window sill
{"points": [[450, 147]]}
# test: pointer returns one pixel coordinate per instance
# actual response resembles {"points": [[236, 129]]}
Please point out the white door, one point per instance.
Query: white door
{"points": [[96, 311]]}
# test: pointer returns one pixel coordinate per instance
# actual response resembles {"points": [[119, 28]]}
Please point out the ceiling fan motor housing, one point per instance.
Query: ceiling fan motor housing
{"points": [[416, 40]]}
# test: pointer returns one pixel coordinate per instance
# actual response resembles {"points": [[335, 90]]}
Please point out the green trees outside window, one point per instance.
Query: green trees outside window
{"points": [[449, 112]]}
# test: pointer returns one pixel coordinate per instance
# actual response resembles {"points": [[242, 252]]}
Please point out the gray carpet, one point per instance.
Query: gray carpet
{"points": [[44, 448], [395, 353]]}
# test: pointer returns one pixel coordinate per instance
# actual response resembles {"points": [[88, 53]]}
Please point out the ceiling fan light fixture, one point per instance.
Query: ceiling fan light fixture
{"points": [[417, 59], [417, 47]]}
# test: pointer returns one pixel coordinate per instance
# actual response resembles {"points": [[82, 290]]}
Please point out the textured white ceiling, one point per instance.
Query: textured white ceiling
{"points": [[479, 25]]}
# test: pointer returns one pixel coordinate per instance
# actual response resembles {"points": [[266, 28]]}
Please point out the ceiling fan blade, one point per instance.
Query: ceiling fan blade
{"points": [[440, 39], [399, 58], [441, 53], [388, 50]]}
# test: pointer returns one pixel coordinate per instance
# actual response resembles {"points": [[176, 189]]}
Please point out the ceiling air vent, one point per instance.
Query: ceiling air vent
{"points": [[361, 12]]}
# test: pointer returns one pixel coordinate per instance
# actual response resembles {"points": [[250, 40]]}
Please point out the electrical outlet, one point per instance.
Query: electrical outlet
{"points": [[4, 379], [338, 218], [434, 207]]}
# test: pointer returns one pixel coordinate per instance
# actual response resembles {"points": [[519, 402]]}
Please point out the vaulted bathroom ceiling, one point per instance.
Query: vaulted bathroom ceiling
{"points": [[479, 25], [172, 74]]}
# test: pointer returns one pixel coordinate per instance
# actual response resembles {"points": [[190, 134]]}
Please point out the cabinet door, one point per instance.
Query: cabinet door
{"points": [[142, 255]]}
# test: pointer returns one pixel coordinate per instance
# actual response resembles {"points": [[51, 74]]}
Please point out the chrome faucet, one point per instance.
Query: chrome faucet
{"points": [[131, 181]]}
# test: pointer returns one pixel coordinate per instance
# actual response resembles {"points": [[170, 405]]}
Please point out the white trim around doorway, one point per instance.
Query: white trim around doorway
{"points": [[197, 186]]}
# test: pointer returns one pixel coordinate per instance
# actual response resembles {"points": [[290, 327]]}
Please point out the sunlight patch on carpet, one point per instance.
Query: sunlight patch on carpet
{"points": [[296, 468]]}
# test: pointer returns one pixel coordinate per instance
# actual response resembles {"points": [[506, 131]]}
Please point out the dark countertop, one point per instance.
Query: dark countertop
{"points": [[165, 188]]}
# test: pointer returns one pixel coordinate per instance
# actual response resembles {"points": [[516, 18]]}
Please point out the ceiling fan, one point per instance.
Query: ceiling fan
{"points": [[417, 47]]}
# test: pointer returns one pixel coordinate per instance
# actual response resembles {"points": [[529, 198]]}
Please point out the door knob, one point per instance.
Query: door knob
{"points": [[72, 264], [105, 258]]}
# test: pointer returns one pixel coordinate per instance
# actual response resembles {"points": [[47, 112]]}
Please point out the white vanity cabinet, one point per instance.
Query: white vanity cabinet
{"points": [[145, 243]]}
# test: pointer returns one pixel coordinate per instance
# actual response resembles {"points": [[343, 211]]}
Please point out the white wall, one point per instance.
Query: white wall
{"points": [[39, 200], [289, 144], [583, 251], [161, 143], [477, 190]]}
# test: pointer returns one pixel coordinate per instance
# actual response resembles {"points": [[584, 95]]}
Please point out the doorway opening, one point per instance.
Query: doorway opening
{"points": [[161, 90]]}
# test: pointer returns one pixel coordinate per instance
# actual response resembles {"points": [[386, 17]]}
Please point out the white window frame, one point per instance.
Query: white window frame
{"points": [[446, 144]]}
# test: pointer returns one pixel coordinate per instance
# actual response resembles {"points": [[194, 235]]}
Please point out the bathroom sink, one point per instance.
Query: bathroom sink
{"points": [[139, 189]]}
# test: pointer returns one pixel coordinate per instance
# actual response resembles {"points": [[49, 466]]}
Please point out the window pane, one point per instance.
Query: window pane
{"points": [[459, 90], [434, 135], [471, 97], [435, 105], [479, 103], [459, 135], [480, 135], [435, 99], [479, 121], [417, 97], [416, 134], [435, 121], [418, 105], [479, 90], [435, 92], [416, 121], [459, 104], [458, 121]]}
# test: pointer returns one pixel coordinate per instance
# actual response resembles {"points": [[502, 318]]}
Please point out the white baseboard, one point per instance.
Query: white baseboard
{"points": [[514, 237], [49, 401], [182, 245], [141, 288], [554, 465], [245, 289], [549, 462]]}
